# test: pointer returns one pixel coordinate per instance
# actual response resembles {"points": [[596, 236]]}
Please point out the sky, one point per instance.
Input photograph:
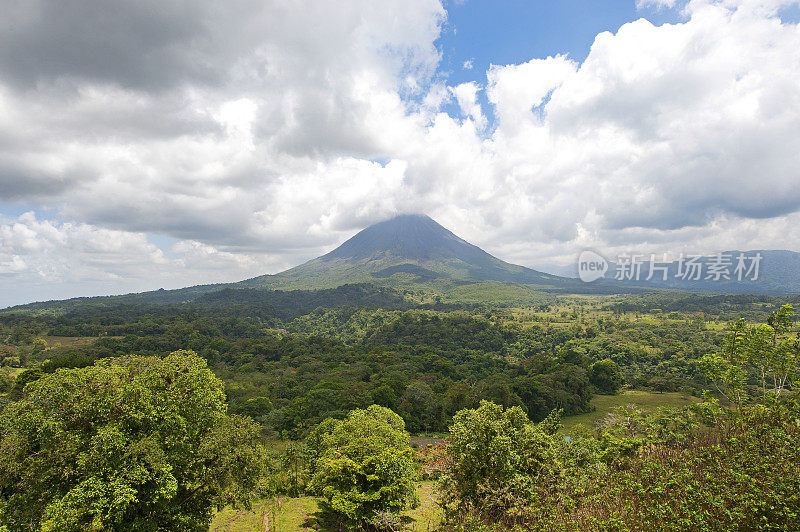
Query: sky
{"points": [[167, 143]]}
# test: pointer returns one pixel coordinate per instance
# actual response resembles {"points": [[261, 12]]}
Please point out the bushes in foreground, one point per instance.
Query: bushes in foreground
{"points": [[497, 461], [705, 468], [128, 444], [364, 468]]}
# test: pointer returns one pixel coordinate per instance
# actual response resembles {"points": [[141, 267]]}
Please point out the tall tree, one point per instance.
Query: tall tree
{"points": [[133, 443], [364, 464]]}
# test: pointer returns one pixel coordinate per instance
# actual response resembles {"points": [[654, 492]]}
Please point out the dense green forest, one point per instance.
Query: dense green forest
{"points": [[292, 361]]}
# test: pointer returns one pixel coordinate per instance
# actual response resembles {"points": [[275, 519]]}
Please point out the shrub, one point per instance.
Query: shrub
{"points": [[496, 459], [701, 469], [365, 466], [6, 381], [739, 473], [606, 376]]}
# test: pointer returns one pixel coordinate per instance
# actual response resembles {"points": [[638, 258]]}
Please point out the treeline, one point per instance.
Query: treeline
{"points": [[289, 371], [290, 383], [725, 307], [422, 364]]}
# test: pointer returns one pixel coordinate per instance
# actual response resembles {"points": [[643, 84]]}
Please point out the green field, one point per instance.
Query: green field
{"points": [[71, 341], [647, 401], [300, 514]]}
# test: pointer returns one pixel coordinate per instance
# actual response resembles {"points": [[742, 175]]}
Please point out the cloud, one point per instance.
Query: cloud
{"points": [[201, 155], [67, 259], [467, 97], [659, 4], [264, 133]]}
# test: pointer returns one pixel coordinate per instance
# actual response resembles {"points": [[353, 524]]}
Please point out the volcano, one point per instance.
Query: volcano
{"points": [[402, 251]]}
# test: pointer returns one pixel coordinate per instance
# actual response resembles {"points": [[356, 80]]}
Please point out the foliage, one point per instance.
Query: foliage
{"points": [[289, 364], [425, 365], [6, 381], [132, 443], [289, 360], [498, 457], [365, 464], [606, 376], [703, 468], [766, 354]]}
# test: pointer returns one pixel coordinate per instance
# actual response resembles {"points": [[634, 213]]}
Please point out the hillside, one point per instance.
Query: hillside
{"points": [[407, 251]]}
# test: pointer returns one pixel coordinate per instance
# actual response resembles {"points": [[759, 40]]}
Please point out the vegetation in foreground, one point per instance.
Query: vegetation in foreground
{"points": [[132, 443], [120, 441], [363, 466], [705, 468]]}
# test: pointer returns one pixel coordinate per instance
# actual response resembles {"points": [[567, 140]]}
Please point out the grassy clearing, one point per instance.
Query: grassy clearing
{"points": [[500, 294], [428, 516], [69, 341], [15, 371], [643, 400], [279, 514], [302, 514]]}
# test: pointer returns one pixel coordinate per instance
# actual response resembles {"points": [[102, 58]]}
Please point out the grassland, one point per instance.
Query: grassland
{"points": [[69, 341], [302, 514], [646, 401], [499, 294]]}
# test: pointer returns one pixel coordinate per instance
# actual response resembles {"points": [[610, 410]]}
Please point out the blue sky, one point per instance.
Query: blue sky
{"points": [[504, 32]]}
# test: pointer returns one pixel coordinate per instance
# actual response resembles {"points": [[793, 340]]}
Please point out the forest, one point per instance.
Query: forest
{"points": [[305, 376]]}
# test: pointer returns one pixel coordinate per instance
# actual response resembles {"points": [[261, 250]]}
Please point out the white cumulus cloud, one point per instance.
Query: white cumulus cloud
{"points": [[261, 134]]}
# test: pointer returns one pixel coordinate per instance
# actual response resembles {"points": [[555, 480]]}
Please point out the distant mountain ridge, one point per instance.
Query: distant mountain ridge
{"points": [[413, 252], [777, 272]]}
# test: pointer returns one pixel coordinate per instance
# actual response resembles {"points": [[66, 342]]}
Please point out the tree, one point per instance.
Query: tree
{"points": [[767, 353], [365, 465], [497, 458], [421, 408], [133, 443], [6, 381], [606, 376]]}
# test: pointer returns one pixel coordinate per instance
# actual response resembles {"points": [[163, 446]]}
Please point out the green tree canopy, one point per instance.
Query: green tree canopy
{"points": [[606, 376], [497, 457], [365, 464], [767, 354], [132, 443]]}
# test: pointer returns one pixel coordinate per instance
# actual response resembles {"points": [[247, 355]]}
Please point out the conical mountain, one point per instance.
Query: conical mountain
{"points": [[408, 237], [413, 251], [405, 250]]}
